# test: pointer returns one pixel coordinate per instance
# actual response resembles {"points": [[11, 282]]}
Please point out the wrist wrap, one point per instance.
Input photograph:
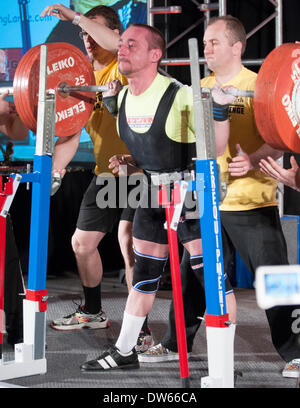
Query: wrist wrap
{"points": [[220, 112]]}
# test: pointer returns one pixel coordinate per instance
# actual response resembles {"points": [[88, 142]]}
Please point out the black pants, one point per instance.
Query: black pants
{"points": [[13, 288], [258, 238], [194, 305]]}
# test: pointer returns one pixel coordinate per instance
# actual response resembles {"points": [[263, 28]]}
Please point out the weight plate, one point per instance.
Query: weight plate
{"points": [[276, 98], [66, 64]]}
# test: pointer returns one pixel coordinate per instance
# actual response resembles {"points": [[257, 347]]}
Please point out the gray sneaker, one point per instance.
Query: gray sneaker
{"points": [[80, 320], [144, 342], [157, 354], [292, 369]]}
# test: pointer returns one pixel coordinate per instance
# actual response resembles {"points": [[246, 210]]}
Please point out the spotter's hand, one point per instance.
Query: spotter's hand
{"points": [[59, 11], [122, 164]]}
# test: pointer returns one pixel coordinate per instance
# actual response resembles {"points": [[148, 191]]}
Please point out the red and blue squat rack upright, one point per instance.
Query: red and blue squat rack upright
{"points": [[219, 330], [30, 355]]}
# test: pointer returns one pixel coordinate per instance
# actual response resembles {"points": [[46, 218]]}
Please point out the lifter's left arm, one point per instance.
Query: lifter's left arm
{"points": [[221, 103]]}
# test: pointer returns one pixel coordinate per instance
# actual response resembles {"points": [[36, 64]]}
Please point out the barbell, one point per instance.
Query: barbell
{"points": [[276, 97]]}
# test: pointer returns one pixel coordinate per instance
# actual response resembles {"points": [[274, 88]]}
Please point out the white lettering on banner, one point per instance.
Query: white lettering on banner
{"points": [[73, 110], [59, 65], [216, 231]]}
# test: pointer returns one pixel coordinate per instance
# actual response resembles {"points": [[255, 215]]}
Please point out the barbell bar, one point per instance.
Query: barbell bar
{"points": [[242, 93], [276, 97], [66, 89]]}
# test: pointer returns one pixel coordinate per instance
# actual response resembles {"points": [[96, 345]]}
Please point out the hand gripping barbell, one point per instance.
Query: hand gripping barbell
{"points": [[276, 97]]}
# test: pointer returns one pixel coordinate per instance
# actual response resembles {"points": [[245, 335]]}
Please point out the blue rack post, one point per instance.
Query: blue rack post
{"points": [[207, 179], [39, 226], [219, 331]]}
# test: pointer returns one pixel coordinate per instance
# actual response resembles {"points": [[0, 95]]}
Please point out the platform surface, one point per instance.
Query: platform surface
{"points": [[255, 356]]}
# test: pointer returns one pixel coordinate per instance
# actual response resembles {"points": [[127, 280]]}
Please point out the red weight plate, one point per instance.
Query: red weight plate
{"points": [[71, 66], [274, 98], [286, 117], [17, 88], [19, 92], [25, 81], [66, 64], [263, 95]]}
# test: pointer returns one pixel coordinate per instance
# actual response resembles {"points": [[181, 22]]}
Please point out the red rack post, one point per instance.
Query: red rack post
{"points": [[6, 189], [176, 280]]}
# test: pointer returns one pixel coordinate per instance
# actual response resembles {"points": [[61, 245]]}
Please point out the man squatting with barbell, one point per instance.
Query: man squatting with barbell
{"points": [[121, 332], [145, 57], [100, 33]]}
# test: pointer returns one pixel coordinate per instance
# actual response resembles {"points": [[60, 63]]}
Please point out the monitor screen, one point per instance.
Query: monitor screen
{"points": [[22, 27], [282, 284]]}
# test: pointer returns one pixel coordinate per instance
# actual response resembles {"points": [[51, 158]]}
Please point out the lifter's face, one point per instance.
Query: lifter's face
{"points": [[218, 51], [134, 55]]}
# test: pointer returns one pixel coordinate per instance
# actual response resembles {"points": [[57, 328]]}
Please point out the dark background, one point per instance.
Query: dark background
{"points": [[65, 204]]}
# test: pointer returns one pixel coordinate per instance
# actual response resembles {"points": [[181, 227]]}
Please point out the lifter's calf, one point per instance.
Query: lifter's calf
{"points": [[139, 304]]}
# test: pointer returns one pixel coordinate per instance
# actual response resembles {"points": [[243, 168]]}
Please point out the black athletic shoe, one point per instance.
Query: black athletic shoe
{"points": [[111, 359]]}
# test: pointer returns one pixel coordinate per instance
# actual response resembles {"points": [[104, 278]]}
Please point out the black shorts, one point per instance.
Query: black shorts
{"points": [[94, 218], [149, 222], [148, 225]]}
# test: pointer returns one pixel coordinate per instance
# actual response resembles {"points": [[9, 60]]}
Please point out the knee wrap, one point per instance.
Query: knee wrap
{"points": [[197, 266], [147, 272]]}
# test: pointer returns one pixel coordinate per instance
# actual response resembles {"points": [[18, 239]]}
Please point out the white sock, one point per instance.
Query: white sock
{"points": [[130, 330]]}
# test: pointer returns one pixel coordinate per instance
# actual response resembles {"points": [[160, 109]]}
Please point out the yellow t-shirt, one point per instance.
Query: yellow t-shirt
{"points": [[102, 125], [140, 110], [254, 190]]}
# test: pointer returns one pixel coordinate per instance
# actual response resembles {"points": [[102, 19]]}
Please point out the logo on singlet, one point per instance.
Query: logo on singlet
{"points": [[139, 121]]}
